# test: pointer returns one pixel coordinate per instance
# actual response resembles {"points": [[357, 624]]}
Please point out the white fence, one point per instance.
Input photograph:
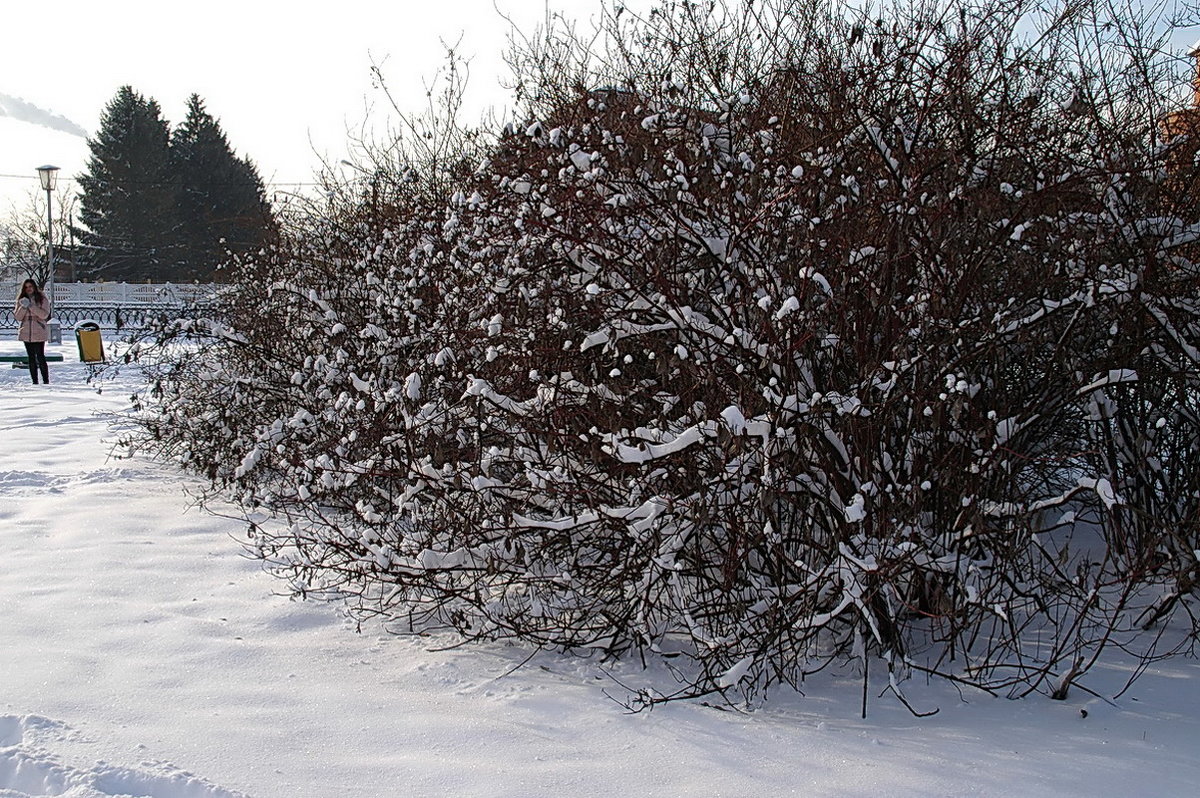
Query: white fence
{"points": [[114, 306], [126, 295]]}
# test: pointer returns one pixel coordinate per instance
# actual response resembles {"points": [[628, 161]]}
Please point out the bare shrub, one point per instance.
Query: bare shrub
{"points": [[779, 336]]}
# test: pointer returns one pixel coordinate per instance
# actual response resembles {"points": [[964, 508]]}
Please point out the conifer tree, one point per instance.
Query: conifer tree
{"points": [[127, 205], [220, 205]]}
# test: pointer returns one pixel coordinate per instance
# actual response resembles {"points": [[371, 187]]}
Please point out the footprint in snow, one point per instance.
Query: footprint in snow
{"points": [[24, 479]]}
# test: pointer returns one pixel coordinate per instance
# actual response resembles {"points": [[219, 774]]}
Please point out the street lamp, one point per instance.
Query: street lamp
{"points": [[374, 178], [49, 176]]}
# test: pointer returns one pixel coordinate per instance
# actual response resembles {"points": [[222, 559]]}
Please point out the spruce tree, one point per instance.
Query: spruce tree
{"points": [[220, 204], [127, 205]]}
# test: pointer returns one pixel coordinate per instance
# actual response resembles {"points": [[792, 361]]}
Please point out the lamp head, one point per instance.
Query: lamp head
{"points": [[49, 176]]}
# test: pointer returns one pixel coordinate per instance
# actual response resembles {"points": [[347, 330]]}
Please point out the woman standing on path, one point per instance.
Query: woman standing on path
{"points": [[33, 311]]}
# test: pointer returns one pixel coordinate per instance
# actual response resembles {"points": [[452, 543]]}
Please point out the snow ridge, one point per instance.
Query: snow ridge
{"points": [[28, 768]]}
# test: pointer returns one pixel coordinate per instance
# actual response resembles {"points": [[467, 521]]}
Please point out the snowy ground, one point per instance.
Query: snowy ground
{"points": [[142, 655]]}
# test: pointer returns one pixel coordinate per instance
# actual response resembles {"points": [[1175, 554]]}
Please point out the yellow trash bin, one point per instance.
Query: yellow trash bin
{"points": [[87, 338]]}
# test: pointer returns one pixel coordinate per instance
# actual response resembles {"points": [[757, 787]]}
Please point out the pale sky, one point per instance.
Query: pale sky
{"points": [[286, 79], [283, 78]]}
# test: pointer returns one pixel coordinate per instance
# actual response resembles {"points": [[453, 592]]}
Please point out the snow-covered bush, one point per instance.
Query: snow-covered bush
{"points": [[769, 340]]}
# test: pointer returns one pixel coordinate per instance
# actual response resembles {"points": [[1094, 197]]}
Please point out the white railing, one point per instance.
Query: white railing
{"points": [[124, 294]]}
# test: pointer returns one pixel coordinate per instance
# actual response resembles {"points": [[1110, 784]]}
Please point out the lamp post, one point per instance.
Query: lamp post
{"points": [[49, 176], [374, 178]]}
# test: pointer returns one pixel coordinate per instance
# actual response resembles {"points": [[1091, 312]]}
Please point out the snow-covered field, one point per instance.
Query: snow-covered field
{"points": [[142, 655]]}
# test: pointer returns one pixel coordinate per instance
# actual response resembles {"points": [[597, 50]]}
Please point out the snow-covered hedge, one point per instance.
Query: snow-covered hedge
{"points": [[879, 340]]}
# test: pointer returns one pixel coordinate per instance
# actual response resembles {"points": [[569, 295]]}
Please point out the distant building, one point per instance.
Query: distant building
{"points": [[1182, 131]]}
